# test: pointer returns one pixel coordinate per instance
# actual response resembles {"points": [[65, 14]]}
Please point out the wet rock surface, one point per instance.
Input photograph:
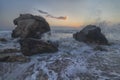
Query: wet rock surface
{"points": [[91, 34], [10, 50], [3, 40], [100, 48], [13, 58], [31, 46]]}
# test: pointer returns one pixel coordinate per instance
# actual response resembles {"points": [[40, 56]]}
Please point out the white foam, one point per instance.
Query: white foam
{"points": [[77, 56]]}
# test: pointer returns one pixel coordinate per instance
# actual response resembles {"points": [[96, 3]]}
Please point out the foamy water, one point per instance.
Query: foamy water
{"points": [[74, 60]]}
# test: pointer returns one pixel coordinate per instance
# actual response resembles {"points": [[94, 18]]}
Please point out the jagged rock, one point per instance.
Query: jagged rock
{"points": [[92, 34], [30, 26], [31, 46]]}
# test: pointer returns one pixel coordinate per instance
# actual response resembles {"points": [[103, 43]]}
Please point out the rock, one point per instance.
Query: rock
{"points": [[100, 48], [30, 26], [3, 40], [3, 58], [29, 30], [42, 75], [32, 46], [10, 50], [92, 34], [15, 58]]}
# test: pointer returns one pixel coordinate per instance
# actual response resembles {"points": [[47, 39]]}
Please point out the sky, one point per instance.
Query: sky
{"points": [[76, 13]]}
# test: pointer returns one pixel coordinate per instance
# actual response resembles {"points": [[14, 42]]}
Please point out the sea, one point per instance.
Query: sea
{"points": [[73, 61]]}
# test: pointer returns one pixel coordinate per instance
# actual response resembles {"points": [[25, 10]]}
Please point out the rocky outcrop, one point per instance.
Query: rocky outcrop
{"points": [[34, 46], [30, 26], [92, 34], [30, 29]]}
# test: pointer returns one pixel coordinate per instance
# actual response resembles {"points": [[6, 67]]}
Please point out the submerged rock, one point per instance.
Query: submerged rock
{"points": [[10, 50], [30, 26], [3, 58], [91, 33], [15, 58], [100, 48], [3, 40], [31, 46]]}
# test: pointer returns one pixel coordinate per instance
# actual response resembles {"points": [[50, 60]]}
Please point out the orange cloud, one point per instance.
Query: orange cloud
{"points": [[60, 17], [51, 16]]}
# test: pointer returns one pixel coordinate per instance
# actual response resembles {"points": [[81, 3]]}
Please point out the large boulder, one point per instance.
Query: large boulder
{"points": [[92, 34], [32, 46], [29, 30], [30, 26]]}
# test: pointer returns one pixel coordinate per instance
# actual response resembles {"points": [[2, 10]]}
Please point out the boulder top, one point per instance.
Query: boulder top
{"points": [[28, 16], [90, 27]]}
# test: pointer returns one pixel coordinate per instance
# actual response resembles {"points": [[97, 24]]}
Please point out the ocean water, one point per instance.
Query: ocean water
{"points": [[74, 60]]}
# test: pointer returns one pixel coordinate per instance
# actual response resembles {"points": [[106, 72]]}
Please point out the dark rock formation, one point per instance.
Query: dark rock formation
{"points": [[31, 46], [30, 26], [92, 34], [30, 29]]}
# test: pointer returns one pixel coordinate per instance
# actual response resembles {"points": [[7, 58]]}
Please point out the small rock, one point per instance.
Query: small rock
{"points": [[10, 50], [12, 58], [3, 40], [100, 48], [3, 58]]}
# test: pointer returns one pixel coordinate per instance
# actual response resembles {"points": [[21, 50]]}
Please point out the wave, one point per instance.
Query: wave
{"points": [[74, 60]]}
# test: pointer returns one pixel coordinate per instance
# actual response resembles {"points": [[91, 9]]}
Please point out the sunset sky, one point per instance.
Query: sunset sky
{"points": [[76, 12]]}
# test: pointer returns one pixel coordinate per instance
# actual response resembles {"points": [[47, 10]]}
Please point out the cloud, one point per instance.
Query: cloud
{"points": [[43, 12], [60, 17], [51, 16]]}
